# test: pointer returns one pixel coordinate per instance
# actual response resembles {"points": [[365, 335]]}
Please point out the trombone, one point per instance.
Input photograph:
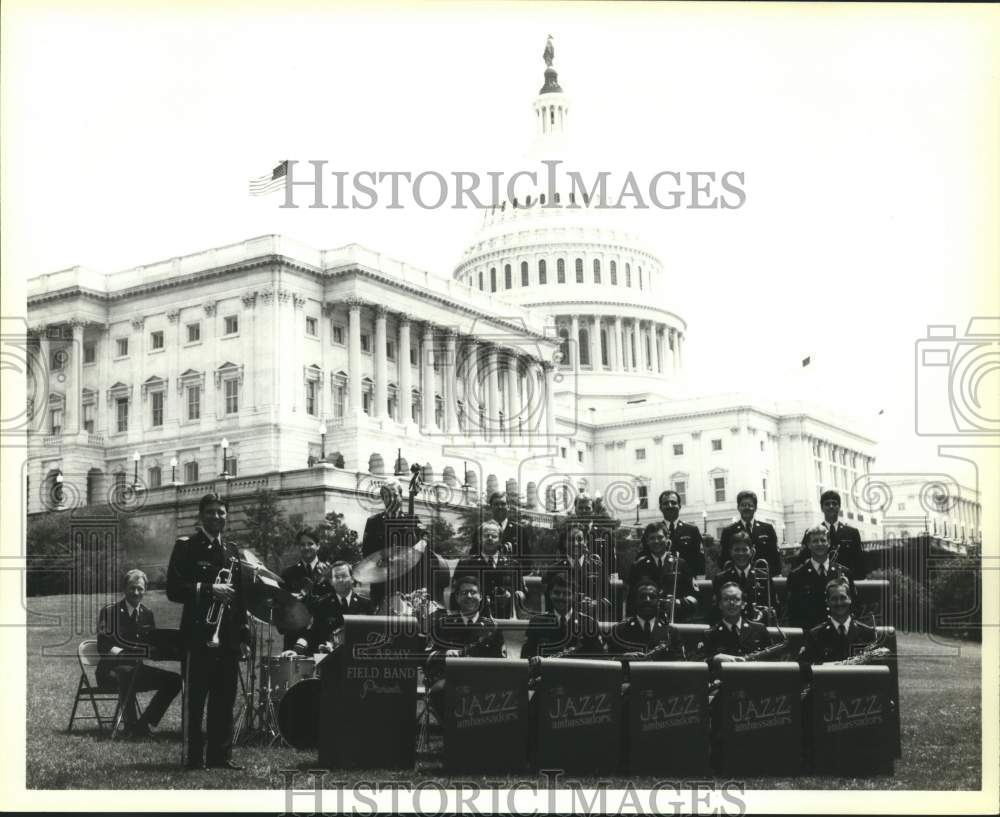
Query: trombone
{"points": [[766, 614]]}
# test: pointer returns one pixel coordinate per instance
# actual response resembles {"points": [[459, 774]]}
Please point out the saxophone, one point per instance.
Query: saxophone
{"points": [[868, 655]]}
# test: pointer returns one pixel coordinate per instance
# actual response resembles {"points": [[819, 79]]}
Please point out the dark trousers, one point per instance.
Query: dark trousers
{"points": [[167, 684], [209, 678]]}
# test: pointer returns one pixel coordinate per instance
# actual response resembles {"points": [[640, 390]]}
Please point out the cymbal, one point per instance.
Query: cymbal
{"points": [[250, 560], [269, 601], [389, 563]]}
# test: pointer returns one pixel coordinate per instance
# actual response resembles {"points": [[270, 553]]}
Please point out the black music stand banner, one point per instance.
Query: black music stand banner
{"points": [[579, 711], [667, 718], [851, 719], [757, 719], [369, 695], [486, 715]]}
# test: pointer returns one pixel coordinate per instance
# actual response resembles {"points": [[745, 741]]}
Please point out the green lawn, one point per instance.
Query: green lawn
{"points": [[939, 690]]}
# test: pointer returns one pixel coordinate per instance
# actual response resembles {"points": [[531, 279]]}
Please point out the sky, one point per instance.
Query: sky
{"points": [[867, 138]]}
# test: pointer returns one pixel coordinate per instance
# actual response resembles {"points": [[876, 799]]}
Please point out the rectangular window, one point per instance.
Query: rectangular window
{"points": [[681, 488], [232, 395], [413, 355], [232, 325], [562, 450], [716, 445], [156, 340], [643, 497], [640, 453], [678, 449], [154, 477], [89, 352], [366, 402], [57, 421], [763, 488], [157, 401], [720, 489], [194, 403], [579, 456], [230, 466], [390, 350], [194, 333], [338, 335], [190, 472], [366, 343], [121, 414], [312, 327], [311, 397], [88, 418], [339, 400], [121, 347]]}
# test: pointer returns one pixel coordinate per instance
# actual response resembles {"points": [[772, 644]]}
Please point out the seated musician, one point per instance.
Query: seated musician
{"points": [[757, 586], [328, 617], [517, 539], [647, 635], [467, 633], [305, 578], [656, 564], [840, 636], [806, 588], [563, 630], [588, 575], [124, 633], [499, 574], [733, 638]]}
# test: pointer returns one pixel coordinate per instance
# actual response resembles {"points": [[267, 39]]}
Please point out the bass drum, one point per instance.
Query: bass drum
{"points": [[298, 714]]}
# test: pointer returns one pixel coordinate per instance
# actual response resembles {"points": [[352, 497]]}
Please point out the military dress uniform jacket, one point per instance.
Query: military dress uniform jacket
{"points": [[630, 636], [748, 638], [765, 542], [847, 541], [686, 541], [646, 567], [482, 639], [194, 566], [329, 616], [116, 628], [550, 633], [754, 592], [824, 643], [504, 574], [588, 579], [806, 593], [301, 577]]}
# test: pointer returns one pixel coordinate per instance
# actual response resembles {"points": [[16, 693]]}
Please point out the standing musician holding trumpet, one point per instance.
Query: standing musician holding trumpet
{"points": [[203, 575]]}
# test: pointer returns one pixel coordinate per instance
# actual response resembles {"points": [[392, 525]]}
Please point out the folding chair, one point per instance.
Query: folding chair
{"points": [[88, 690]]}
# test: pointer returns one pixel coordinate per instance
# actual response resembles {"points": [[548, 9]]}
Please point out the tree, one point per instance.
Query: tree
{"points": [[266, 530], [337, 542]]}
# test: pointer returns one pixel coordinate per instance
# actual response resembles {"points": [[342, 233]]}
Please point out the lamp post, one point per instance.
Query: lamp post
{"points": [[637, 504], [398, 470], [225, 453], [704, 521], [173, 470], [322, 439], [135, 474], [465, 482]]}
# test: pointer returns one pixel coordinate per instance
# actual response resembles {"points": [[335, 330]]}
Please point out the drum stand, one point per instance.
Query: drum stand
{"points": [[257, 716]]}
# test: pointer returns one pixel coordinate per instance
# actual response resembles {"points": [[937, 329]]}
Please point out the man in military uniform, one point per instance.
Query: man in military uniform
{"points": [[499, 574], [587, 574], [646, 636], [655, 564], [840, 635], [844, 539], [806, 601], [756, 592], [684, 539], [210, 672], [733, 638], [762, 534], [467, 633], [124, 638], [305, 578], [329, 614], [517, 539], [563, 628]]}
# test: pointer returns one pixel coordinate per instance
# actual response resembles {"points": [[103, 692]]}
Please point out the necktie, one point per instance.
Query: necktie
{"points": [[843, 631], [647, 628], [822, 571], [135, 615], [670, 531]]}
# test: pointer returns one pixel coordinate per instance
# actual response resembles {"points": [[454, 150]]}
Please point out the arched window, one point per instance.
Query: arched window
{"points": [[649, 353], [628, 275], [604, 346], [493, 279], [597, 271], [579, 270], [640, 277], [507, 278], [561, 271], [524, 273], [480, 280], [584, 347], [614, 274], [564, 346], [542, 277]]}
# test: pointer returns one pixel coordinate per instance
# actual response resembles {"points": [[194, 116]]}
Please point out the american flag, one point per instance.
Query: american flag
{"points": [[263, 185]]}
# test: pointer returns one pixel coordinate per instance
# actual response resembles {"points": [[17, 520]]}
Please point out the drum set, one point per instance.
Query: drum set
{"points": [[281, 695]]}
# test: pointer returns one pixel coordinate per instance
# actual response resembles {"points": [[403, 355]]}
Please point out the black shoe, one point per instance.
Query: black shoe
{"points": [[225, 764]]}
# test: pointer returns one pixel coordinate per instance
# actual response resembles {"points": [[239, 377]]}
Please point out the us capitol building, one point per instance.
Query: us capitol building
{"points": [[550, 361]]}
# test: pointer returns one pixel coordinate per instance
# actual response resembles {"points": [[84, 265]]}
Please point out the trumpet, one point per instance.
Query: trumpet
{"points": [[213, 618]]}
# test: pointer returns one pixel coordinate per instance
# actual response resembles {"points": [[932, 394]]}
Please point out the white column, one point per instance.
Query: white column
{"points": [[103, 352], [616, 360], [449, 378], [427, 367], [513, 410], [137, 355], [354, 355], [174, 397], [574, 345], [72, 420], [473, 392], [493, 392], [673, 349], [405, 371], [595, 343], [381, 370]]}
